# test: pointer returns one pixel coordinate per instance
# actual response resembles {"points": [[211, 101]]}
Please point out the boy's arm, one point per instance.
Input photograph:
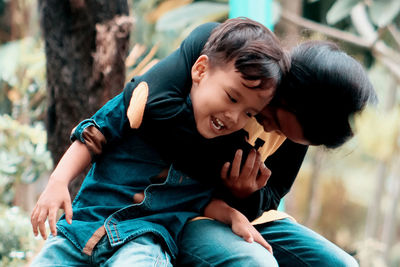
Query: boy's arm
{"points": [[56, 195], [88, 138], [222, 212]]}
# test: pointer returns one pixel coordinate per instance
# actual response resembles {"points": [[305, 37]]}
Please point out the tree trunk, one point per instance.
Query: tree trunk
{"points": [[289, 32], [313, 210], [389, 230], [86, 43]]}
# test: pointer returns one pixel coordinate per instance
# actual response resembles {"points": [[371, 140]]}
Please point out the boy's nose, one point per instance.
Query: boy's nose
{"points": [[234, 118]]}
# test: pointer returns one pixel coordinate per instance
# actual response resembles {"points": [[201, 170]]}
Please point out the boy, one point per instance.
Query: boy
{"points": [[112, 224]]}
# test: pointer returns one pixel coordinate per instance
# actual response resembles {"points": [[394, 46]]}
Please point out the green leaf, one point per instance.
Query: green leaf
{"points": [[339, 10], [383, 12], [182, 17], [9, 54], [176, 24]]}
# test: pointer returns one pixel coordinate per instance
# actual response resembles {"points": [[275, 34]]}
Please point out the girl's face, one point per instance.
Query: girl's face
{"points": [[282, 121], [222, 101]]}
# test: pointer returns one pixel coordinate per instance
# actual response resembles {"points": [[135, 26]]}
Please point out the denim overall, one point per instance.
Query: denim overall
{"points": [[126, 167]]}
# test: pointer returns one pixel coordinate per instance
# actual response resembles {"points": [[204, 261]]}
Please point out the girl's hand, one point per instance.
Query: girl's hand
{"points": [[253, 176], [54, 197]]}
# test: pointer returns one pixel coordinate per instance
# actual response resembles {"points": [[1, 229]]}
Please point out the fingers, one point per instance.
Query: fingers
{"points": [[41, 223], [255, 166], [251, 236], [235, 171], [68, 211], [260, 239], [264, 176], [247, 236], [52, 221], [224, 170], [34, 221], [249, 165]]}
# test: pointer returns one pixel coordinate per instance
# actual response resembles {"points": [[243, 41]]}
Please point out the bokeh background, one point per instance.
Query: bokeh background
{"points": [[61, 60]]}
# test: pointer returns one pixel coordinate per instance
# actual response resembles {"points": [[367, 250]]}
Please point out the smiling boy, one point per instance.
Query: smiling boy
{"points": [[222, 100], [110, 225]]}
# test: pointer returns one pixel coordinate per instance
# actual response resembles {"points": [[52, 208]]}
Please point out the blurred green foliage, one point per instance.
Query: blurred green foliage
{"points": [[23, 157], [169, 22], [23, 153], [17, 242]]}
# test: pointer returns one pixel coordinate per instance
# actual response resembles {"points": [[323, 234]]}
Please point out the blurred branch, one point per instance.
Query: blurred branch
{"points": [[146, 60], [329, 31], [389, 57], [362, 23], [395, 33], [389, 223]]}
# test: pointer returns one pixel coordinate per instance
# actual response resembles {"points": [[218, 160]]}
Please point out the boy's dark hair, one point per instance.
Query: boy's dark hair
{"points": [[324, 88], [256, 52]]}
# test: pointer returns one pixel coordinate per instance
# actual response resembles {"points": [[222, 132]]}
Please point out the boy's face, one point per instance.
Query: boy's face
{"points": [[222, 103]]}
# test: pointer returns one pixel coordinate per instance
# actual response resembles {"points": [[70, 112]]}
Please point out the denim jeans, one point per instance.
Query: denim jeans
{"points": [[210, 243], [141, 251]]}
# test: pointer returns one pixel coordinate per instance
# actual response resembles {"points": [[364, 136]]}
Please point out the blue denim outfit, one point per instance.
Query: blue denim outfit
{"points": [[126, 167], [211, 243], [141, 251]]}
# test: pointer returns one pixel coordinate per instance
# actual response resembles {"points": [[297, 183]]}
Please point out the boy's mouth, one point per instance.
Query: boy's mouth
{"points": [[217, 124]]}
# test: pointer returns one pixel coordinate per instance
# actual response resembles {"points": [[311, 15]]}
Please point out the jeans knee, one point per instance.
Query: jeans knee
{"points": [[339, 260], [259, 260], [347, 261]]}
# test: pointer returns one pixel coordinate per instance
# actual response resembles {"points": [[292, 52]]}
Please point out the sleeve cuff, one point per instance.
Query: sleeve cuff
{"points": [[89, 134]]}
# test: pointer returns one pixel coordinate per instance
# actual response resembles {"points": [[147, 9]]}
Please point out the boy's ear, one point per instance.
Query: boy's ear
{"points": [[199, 68]]}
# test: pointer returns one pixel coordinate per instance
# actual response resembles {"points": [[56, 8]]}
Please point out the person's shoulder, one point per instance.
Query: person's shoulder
{"points": [[201, 33], [206, 27]]}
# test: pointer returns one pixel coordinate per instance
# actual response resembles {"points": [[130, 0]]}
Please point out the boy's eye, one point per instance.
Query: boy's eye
{"points": [[249, 114], [231, 98]]}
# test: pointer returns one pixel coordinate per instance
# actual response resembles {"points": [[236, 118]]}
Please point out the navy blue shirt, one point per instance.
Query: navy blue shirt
{"points": [[126, 167]]}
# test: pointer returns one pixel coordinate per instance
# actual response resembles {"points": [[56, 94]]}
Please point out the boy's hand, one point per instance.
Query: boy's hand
{"points": [[54, 197], [243, 228], [253, 176]]}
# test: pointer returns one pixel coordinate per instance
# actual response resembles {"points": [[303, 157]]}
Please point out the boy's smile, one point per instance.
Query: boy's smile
{"points": [[221, 98]]}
